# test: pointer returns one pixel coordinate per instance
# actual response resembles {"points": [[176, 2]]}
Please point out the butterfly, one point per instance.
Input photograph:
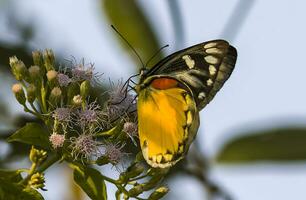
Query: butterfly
{"points": [[171, 94]]}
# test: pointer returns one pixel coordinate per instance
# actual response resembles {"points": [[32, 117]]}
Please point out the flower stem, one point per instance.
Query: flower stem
{"points": [[41, 169], [26, 109], [118, 185], [31, 172], [45, 165], [43, 98]]}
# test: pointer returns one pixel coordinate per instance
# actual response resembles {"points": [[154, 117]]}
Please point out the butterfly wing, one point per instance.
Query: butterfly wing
{"points": [[171, 94], [203, 68], [167, 122]]}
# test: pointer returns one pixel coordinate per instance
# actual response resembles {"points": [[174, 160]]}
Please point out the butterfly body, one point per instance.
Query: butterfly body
{"points": [[171, 94]]}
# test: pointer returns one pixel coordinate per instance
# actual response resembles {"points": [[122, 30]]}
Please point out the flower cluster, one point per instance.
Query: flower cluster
{"points": [[84, 128]]}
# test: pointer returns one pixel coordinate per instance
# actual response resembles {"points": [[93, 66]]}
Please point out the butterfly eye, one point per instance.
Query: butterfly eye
{"points": [[164, 83]]}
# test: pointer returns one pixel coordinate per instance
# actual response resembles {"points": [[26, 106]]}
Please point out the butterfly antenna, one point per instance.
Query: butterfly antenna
{"points": [[143, 66], [157, 52]]}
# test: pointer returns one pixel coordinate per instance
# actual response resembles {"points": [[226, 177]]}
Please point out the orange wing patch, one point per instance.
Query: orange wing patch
{"points": [[164, 83]]}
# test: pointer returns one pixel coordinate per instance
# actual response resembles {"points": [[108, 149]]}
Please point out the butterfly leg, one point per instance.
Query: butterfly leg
{"points": [[126, 86]]}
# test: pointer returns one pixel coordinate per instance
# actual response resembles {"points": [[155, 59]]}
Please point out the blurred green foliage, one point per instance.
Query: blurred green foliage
{"points": [[278, 144], [132, 23]]}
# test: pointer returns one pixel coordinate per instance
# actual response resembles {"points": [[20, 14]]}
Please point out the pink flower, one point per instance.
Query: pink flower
{"points": [[57, 140]]}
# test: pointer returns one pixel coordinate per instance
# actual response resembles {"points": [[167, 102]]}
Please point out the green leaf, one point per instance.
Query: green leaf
{"points": [[91, 181], [10, 175], [279, 144], [131, 22], [31, 194], [13, 191], [32, 133]]}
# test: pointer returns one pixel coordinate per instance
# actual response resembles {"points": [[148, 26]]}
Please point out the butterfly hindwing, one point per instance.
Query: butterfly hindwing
{"points": [[167, 117], [203, 68]]}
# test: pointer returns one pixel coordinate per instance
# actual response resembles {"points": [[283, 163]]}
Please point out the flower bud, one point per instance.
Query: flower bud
{"points": [[123, 178], [153, 182], [159, 193], [85, 89], [130, 128], [134, 170], [37, 181], [136, 190], [37, 156], [49, 59], [63, 80], [18, 68], [139, 157], [31, 93], [73, 90], [34, 72], [52, 76], [102, 160], [157, 171], [77, 100], [13, 61], [19, 93], [37, 58], [55, 95], [57, 140]]}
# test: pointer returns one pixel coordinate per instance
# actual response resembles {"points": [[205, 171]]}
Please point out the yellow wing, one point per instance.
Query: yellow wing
{"points": [[167, 123]]}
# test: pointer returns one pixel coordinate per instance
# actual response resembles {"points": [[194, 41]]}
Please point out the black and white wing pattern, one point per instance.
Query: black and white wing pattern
{"points": [[203, 68]]}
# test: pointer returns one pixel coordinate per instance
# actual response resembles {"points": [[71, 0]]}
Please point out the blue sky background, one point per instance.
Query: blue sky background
{"points": [[265, 90]]}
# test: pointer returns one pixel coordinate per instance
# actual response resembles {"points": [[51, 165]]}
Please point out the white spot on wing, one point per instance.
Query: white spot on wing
{"points": [[189, 119], [210, 45], [214, 51], [211, 59], [191, 80], [189, 62], [212, 70]]}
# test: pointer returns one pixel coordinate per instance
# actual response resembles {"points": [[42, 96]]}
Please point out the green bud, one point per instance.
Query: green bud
{"points": [[134, 170], [85, 89], [102, 160], [123, 178], [153, 182], [159, 193], [157, 171], [37, 58], [139, 157], [37, 181], [49, 59], [31, 93], [19, 69], [118, 194], [37, 156], [19, 93], [72, 91], [34, 72], [136, 190], [55, 95]]}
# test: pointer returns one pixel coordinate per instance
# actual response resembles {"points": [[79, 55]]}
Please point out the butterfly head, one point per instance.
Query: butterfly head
{"points": [[143, 73]]}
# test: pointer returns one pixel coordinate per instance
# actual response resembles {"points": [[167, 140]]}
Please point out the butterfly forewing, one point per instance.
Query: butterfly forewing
{"points": [[203, 68]]}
